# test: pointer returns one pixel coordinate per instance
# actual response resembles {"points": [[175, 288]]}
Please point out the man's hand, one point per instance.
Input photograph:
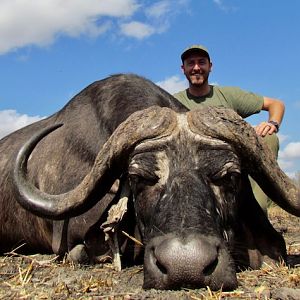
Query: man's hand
{"points": [[276, 109], [265, 128]]}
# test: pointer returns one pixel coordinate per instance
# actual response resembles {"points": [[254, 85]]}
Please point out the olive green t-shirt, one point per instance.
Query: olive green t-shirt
{"points": [[243, 102]]}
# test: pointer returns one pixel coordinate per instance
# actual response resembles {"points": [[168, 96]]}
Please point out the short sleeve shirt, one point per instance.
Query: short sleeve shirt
{"points": [[243, 102]]}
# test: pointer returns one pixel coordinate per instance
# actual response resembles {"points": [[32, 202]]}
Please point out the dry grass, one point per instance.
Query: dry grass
{"points": [[41, 277]]}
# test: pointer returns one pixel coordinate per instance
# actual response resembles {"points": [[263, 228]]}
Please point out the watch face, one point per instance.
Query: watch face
{"points": [[275, 124]]}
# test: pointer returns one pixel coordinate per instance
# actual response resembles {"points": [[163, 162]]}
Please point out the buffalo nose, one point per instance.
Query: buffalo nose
{"points": [[183, 262]]}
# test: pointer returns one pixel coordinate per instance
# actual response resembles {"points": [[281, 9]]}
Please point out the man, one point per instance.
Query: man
{"points": [[196, 66]]}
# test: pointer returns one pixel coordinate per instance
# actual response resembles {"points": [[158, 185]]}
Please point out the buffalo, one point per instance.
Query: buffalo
{"points": [[180, 177]]}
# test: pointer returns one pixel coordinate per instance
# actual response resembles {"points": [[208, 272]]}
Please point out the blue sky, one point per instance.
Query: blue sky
{"points": [[52, 49]]}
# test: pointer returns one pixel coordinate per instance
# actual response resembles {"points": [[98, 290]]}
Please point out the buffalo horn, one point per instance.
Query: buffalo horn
{"points": [[257, 158], [152, 123]]}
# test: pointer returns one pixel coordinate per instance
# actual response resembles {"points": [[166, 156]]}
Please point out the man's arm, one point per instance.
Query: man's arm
{"points": [[275, 108]]}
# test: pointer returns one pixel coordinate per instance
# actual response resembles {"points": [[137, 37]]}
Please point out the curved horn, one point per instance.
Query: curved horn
{"points": [[152, 123], [259, 161]]}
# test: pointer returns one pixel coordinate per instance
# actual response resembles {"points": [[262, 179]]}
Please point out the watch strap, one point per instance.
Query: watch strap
{"points": [[276, 124]]}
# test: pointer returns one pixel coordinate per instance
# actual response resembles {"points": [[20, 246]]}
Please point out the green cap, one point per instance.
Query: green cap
{"points": [[193, 49]]}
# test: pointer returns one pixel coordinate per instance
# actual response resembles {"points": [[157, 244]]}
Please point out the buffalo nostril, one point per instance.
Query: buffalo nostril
{"points": [[210, 268], [155, 262], [161, 268]]}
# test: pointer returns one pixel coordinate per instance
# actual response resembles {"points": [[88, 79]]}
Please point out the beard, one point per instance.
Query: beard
{"points": [[197, 80]]}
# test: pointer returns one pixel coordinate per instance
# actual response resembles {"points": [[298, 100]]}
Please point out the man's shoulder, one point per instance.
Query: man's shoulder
{"points": [[231, 93], [183, 92], [180, 94], [228, 89]]}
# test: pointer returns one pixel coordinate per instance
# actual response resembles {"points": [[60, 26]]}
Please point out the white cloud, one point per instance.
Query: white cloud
{"points": [[137, 29], [161, 13], [159, 9], [173, 84], [285, 164], [292, 175], [10, 121], [40, 23], [291, 151], [289, 158], [225, 7], [34, 22], [282, 137], [220, 4]]}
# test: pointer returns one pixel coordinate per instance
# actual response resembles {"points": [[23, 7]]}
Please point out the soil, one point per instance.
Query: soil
{"points": [[42, 277]]}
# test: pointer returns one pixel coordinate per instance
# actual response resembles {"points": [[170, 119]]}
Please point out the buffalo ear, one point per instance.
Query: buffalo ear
{"points": [[256, 157]]}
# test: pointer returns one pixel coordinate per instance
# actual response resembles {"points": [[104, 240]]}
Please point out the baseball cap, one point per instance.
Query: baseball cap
{"points": [[194, 48]]}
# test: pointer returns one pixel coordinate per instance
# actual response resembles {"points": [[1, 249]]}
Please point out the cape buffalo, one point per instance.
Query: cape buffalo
{"points": [[184, 175]]}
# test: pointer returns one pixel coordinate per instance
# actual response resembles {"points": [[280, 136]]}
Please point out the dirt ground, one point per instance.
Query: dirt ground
{"points": [[41, 277]]}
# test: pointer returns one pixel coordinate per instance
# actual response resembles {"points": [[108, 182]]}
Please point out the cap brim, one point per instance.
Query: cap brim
{"points": [[188, 52]]}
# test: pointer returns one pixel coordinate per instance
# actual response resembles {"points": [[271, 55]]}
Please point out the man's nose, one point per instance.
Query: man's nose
{"points": [[196, 67]]}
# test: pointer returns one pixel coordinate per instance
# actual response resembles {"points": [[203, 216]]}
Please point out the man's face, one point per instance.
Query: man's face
{"points": [[196, 68]]}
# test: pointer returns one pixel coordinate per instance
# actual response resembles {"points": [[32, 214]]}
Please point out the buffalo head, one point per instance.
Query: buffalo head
{"points": [[188, 176]]}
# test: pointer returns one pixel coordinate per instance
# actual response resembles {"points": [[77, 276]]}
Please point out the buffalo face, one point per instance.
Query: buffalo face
{"points": [[184, 195]]}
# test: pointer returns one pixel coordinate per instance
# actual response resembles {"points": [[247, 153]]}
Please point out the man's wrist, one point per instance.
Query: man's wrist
{"points": [[276, 124]]}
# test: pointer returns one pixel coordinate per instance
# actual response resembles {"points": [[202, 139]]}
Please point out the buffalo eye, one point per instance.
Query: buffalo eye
{"points": [[228, 180], [139, 179], [228, 177]]}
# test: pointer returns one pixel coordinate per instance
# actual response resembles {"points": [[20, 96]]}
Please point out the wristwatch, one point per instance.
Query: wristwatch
{"points": [[276, 124]]}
